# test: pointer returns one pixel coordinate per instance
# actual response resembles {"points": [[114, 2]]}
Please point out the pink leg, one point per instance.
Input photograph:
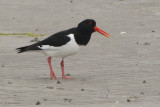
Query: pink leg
{"points": [[62, 67], [50, 66]]}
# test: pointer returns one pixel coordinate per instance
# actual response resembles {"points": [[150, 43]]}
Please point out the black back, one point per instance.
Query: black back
{"points": [[82, 36], [58, 39]]}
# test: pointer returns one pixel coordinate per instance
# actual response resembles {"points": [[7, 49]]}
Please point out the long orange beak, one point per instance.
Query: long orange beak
{"points": [[101, 32]]}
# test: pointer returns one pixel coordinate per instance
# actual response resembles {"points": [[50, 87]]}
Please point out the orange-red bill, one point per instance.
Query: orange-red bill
{"points": [[101, 32]]}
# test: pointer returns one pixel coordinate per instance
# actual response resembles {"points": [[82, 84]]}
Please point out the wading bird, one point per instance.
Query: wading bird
{"points": [[65, 43]]}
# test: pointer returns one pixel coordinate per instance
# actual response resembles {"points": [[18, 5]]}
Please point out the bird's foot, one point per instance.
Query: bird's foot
{"points": [[53, 76], [64, 77]]}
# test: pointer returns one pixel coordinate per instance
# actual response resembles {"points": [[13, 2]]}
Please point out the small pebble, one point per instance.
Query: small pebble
{"points": [[2, 65], [123, 33], [68, 74], [153, 31], [44, 99], [146, 43], [9, 82], [142, 92], [37, 103], [117, 101], [65, 99], [35, 40], [128, 100], [58, 82], [71, 1], [69, 100], [82, 89], [144, 81], [50, 87], [142, 24], [60, 88]]}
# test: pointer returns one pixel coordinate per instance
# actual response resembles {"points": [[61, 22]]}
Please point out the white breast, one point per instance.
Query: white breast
{"points": [[68, 49]]}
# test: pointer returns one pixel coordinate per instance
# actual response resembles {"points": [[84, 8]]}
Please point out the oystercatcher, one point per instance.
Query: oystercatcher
{"points": [[65, 43]]}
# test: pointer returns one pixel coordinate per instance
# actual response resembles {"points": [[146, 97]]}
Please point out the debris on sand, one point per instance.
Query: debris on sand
{"points": [[37, 103], [153, 31], [146, 43], [117, 102], [27, 34], [35, 40], [9, 82], [68, 74], [60, 88], [34, 35], [58, 82], [82, 89], [67, 100], [71, 1], [2, 65], [44, 99], [122, 33], [50, 87], [128, 100], [144, 81], [131, 98]]}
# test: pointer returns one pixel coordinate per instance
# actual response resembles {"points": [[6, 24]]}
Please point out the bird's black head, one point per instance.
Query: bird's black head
{"points": [[85, 29], [87, 26]]}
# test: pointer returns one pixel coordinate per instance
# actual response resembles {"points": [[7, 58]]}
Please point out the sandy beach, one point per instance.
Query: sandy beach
{"points": [[121, 71]]}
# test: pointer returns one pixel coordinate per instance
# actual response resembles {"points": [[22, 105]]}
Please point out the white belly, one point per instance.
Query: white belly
{"points": [[68, 49]]}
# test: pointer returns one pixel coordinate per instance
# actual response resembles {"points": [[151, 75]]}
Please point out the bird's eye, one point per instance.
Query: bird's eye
{"points": [[90, 23]]}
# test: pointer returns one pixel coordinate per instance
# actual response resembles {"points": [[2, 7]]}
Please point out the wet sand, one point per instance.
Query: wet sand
{"points": [[122, 71]]}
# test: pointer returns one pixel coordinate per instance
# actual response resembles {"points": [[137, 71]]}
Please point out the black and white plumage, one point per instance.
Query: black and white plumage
{"points": [[65, 43]]}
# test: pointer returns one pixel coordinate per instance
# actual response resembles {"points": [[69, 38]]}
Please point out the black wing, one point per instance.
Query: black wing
{"points": [[56, 40]]}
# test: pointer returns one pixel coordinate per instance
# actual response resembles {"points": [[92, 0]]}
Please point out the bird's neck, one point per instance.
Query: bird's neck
{"points": [[81, 37]]}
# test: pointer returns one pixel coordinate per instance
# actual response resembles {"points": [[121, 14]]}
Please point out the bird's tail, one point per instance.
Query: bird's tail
{"points": [[22, 49]]}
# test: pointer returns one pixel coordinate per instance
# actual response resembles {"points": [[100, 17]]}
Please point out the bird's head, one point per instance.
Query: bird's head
{"points": [[89, 26]]}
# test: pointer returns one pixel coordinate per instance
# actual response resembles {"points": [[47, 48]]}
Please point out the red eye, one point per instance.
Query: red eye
{"points": [[90, 23]]}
